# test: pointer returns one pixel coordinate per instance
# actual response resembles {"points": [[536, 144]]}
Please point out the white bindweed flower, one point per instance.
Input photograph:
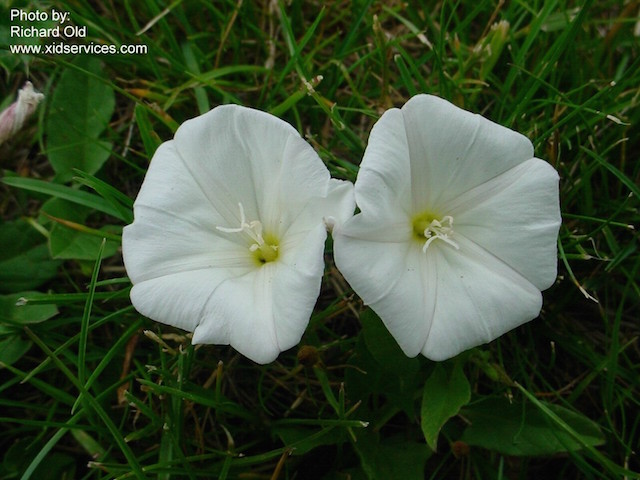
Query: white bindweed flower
{"points": [[457, 231], [13, 117], [229, 231]]}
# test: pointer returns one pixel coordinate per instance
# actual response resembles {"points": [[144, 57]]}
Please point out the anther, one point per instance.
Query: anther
{"points": [[440, 230], [263, 251]]}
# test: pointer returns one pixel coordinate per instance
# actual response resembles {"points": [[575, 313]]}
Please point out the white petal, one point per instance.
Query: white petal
{"points": [[297, 286], [478, 299], [339, 204], [453, 150], [28, 100], [304, 250], [447, 161], [159, 243], [331, 211], [267, 310], [237, 154], [384, 176], [179, 299], [438, 303], [516, 217], [188, 273], [389, 272], [175, 226], [169, 186], [243, 305], [259, 311]]}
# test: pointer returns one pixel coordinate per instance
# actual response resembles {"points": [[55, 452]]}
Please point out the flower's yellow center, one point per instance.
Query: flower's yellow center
{"points": [[263, 246], [428, 228]]}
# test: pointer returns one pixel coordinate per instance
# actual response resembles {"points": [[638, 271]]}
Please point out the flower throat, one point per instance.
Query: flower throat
{"points": [[428, 228], [263, 247]]}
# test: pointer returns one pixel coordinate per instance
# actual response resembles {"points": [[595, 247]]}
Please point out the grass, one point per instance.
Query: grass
{"points": [[90, 389]]}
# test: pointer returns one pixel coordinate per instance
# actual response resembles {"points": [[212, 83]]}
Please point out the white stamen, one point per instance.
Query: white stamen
{"points": [[243, 223], [254, 230], [439, 230]]}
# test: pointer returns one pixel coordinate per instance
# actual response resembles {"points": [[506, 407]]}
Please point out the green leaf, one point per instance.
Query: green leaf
{"points": [[390, 458], [118, 200], [74, 195], [66, 243], [13, 311], [150, 138], [25, 262], [57, 466], [382, 368], [12, 348], [77, 243], [445, 392], [304, 439], [81, 108], [88, 443], [521, 429], [16, 457], [383, 346]]}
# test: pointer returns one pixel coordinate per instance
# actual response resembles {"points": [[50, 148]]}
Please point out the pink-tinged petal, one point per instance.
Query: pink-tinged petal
{"points": [[453, 150], [237, 154], [478, 298], [7, 122], [13, 117], [515, 217], [384, 180]]}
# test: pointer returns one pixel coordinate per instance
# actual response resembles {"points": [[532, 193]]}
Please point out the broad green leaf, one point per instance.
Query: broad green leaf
{"points": [[14, 311], [16, 457], [12, 348], [392, 373], [445, 392], [383, 346], [521, 429], [383, 459], [74, 195], [25, 262], [65, 242], [57, 465], [80, 110]]}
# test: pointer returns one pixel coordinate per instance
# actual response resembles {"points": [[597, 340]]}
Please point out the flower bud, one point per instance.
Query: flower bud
{"points": [[14, 116]]}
